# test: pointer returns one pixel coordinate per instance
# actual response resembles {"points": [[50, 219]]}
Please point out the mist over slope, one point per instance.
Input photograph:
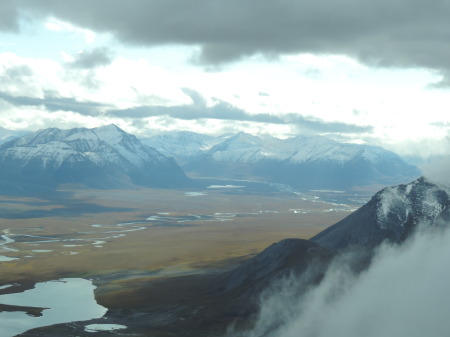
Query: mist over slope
{"points": [[391, 279], [404, 293]]}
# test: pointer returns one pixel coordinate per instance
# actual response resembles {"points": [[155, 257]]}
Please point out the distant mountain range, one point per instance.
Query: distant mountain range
{"points": [[108, 157], [182, 145], [302, 162], [103, 157]]}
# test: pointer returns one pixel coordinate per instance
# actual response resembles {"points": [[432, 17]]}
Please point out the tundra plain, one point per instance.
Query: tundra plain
{"points": [[125, 240]]}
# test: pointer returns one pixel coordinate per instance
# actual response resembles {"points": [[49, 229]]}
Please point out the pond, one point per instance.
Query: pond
{"points": [[4, 258], [67, 300]]}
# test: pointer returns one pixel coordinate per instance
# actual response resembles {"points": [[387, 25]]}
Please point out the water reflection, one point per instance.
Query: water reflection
{"points": [[66, 300]]}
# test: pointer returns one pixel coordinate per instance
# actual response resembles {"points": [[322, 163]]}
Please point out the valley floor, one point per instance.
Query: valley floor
{"points": [[138, 246]]}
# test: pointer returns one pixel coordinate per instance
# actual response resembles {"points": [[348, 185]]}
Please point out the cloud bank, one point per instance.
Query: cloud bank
{"points": [[134, 74], [405, 293], [221, 110], [397, 33]]}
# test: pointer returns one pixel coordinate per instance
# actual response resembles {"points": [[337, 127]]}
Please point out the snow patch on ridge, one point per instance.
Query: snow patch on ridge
{"points": [[421, 197], [247, 148], [101, 145], [392, 202]]}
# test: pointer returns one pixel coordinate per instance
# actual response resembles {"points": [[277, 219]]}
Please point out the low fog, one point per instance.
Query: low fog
{"points": [[405, 292], [437, 170]]}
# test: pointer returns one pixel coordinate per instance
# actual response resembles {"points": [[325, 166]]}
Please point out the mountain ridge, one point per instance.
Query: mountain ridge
{"points": [[302, 162], [192, 143], [393, 213], [103, 157]]}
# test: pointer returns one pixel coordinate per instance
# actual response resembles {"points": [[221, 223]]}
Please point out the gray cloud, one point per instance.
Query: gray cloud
{"points": [[317, 125], [53, 103], [198, 110], [9, 16], [225, 111], [16, 75], [386, 32], [94, 58]]}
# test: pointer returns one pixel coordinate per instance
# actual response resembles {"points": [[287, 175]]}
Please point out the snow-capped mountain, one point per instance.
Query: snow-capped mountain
{"points": [[303, 162], [393, 213], [182, 145], [103, 157]]}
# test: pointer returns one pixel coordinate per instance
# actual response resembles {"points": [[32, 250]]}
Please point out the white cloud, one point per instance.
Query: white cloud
{"points": [[37, 117], [42, 75], [152, 125], [403, 294], [396, 103], [136, 82], [56, 25], [438, 169]]}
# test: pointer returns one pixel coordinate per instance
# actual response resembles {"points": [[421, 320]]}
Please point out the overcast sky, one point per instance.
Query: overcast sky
{"points": [[376, 72]]}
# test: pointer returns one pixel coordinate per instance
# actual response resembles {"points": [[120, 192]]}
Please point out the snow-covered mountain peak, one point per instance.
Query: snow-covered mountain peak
{"points": [[38, 137], [313, 148], [392, 214], [244, 140], [103, 156], [110, 134], [182, 145], [182, 141], [239, 148], [111, 128], [245, 136], [185, 136], [375, 153], [302, 161], [420, 199]]}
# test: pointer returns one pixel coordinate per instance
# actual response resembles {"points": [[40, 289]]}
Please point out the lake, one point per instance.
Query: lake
{"points": [[68, 300]]}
